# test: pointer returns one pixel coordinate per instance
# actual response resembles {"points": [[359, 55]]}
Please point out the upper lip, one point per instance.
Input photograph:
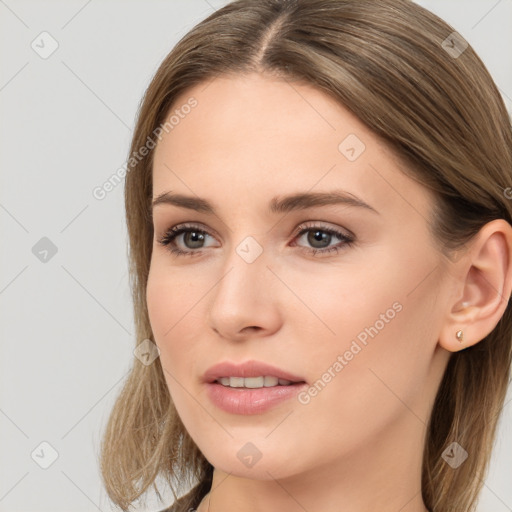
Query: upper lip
{"points": [[247, 369]]}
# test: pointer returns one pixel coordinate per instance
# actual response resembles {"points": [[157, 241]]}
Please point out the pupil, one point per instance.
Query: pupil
{"points": [[319, 236], [197, 237]]}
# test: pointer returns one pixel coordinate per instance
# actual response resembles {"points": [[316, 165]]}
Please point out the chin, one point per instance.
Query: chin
{"points": [[258, 459]]}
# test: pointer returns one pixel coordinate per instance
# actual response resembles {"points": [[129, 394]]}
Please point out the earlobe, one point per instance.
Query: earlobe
{"points": [[484, 287]]}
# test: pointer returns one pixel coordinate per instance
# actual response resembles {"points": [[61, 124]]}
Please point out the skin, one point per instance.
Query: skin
{"points": [[357, 446]]}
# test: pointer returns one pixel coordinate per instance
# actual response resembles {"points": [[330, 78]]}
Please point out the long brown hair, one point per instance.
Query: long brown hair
{"points": [[404, 73]]}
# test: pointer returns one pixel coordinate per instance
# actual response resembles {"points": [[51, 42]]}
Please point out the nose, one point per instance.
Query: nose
{"points": [[244, 301]]}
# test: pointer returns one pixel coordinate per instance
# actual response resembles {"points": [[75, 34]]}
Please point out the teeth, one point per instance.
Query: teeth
{"points": [[270, 381], [236, 382], [253, 382]]}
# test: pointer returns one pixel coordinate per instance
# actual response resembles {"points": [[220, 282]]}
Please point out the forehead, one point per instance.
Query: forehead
{"points": [[249, 138]]}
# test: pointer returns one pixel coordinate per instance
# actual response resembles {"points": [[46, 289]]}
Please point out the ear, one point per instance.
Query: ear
{"points": [[483, 287]]}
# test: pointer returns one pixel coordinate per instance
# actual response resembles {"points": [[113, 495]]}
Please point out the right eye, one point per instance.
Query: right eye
{"points": [[192, 235]]}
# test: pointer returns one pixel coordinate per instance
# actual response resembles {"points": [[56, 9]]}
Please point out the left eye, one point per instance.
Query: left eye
{"points": [[319, 237]]}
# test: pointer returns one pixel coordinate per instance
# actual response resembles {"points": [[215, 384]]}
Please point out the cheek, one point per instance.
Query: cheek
{"points": [[341, 306], [173, 296], [381, 320], [173, 306], [176, 299]]}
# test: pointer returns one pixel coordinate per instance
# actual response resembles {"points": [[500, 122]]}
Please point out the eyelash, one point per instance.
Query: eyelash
{"points": [[169, 237]]}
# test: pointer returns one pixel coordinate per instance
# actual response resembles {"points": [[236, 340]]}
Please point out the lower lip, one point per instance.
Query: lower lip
{"points": [[251, 401]]}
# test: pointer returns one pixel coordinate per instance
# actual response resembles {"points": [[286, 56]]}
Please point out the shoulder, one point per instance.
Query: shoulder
{"points": [[190, 501]]}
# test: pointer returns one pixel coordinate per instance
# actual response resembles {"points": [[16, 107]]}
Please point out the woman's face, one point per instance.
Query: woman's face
{"points": [[357, 321]]}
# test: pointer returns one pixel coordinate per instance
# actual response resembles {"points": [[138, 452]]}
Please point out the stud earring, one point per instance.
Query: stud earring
{"points": [[460, 335]]}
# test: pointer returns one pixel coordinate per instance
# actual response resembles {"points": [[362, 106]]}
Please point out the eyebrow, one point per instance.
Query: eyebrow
{"points": [[278, 204]]}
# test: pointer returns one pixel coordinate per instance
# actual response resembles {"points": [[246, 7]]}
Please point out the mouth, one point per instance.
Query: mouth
{"points": [[250, 374], [265, 381], [251, 395], [250, 387]]}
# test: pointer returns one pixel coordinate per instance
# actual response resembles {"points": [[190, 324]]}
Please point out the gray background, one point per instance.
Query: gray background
{"points": [[66, 323]]}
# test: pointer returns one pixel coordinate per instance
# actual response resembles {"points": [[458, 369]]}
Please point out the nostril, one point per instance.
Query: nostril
{"points": [[252, 328]]}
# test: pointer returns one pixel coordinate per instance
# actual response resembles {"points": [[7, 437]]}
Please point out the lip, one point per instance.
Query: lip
{"points": [[250, 400], [248, 369], [247, 401]]}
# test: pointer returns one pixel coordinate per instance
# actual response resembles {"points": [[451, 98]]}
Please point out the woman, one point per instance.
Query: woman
{"points": [[321, 248]]}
